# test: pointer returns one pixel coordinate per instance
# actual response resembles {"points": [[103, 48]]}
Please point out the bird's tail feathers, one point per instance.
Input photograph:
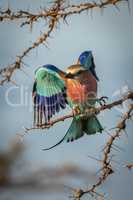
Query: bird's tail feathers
{"points": [[78, 128], [74, 132], [92, 125]]}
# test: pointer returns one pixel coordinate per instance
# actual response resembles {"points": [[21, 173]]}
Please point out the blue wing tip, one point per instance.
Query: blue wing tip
{"points": [[51, 67]]}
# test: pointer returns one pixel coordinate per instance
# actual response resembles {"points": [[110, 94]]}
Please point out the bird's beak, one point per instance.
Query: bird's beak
{"points": [[69, 75]]}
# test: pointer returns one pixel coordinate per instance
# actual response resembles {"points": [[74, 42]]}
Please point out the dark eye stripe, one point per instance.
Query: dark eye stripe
{"points": [[80, 71]]}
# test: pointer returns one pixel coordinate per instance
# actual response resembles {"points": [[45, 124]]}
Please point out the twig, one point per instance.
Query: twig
{"points": [[129, 166], [59, 10], [63, 11], [89, 112], [6, 73], [107, 169]]}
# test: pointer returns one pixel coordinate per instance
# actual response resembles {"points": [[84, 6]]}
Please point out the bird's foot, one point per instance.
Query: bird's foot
{"points": [[76, 110], [102, 100]]}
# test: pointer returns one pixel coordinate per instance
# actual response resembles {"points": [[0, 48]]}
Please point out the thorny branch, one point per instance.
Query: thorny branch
{"points": [[129, 166], [6, 73], [88, 112], [107, 168], [59, 10], [63, 12]]}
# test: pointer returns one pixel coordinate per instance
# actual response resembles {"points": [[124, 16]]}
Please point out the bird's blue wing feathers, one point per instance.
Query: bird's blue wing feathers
{"points": [[50, 93]]}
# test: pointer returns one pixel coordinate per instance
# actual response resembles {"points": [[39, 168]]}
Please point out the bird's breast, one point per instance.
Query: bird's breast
{"points": [[80, 89]]}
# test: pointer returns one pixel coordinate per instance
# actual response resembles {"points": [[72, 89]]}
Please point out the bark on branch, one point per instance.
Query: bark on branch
{"points": [[58, 11]]}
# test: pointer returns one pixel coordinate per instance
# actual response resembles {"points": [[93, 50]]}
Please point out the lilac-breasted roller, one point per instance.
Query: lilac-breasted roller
{"points": [[77, 87]]}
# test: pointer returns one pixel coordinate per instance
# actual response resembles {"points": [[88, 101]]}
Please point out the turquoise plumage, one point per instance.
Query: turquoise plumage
{"points": [[49, 93]]}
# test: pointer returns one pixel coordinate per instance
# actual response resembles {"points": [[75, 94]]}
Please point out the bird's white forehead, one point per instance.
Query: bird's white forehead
{"points": [[74, 69]]}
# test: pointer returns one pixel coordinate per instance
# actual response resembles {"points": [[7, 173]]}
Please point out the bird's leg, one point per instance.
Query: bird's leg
{"points": [[76, 110], [102, 100]]}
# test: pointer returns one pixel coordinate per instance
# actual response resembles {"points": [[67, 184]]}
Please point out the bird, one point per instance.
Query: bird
{"points": [[54, 89]]}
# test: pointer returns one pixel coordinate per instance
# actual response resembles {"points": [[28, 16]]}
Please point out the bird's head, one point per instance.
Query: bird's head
{"points": [[86, 59], [74, 70]]}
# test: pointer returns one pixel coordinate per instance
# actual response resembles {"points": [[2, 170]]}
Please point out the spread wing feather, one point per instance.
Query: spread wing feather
{"points": [[49, 94]]}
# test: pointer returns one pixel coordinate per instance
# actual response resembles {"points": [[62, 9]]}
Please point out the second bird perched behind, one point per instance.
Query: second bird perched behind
{"points": [[53, 89]]}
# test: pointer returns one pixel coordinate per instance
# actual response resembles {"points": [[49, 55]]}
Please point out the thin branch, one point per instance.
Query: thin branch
{"points": [[107, 169], [88, 112], [53, 14], [64, 11], [6, 73], [129, 166]]}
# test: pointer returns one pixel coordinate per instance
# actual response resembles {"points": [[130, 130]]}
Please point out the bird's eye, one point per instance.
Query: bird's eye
{"points": [[69, 75], [79, 72]]}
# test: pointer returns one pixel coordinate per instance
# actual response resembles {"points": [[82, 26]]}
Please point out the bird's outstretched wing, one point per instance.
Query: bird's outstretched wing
{"points": [[49, 93]]}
